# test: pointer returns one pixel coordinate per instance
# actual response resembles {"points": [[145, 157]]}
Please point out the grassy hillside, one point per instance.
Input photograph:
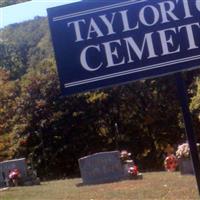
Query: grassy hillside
{"points": [[161, 185]]}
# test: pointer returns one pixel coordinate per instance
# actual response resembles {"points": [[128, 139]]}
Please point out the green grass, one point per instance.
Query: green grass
{"points": [[157, 185]]}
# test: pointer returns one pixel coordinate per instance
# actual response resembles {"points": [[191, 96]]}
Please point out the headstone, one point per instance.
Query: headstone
{"points": [[186, 166], [101, 167], [6, 166], [1, 177]]}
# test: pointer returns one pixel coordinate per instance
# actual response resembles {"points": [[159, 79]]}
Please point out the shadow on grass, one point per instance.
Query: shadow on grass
{"points": [[98, 183], [80, 185]]}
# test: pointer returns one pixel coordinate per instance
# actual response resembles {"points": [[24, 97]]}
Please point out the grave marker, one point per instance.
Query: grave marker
{"points": [[101, 167]]}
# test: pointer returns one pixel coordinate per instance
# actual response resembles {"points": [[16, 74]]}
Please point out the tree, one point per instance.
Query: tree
{"points": [[195, 105], [53, 131], [12, 60], [4, 3], [8, 94]]}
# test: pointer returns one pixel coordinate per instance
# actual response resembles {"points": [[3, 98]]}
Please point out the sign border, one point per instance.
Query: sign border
{"points": [[131, 71], [95, 10]]}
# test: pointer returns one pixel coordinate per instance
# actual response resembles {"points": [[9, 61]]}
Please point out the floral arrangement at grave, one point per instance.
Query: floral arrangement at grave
{"points": [[183, 150], [125, 156], [129, 166], [170, 162], [133, 171], [14, 177], [184, 161]]}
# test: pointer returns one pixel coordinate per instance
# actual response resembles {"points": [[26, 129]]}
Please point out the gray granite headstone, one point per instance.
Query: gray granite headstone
{"points": [[6, 166], [1, 176], [101, 167]]}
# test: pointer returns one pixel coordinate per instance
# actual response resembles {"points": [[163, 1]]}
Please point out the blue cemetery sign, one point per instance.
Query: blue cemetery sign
{"points": [[101, 43]]}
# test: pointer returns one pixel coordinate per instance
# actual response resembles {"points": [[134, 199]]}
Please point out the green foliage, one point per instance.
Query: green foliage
{"points": [[195, 104], [11, 60], [24, 45], [8, 94], [4, 3]]}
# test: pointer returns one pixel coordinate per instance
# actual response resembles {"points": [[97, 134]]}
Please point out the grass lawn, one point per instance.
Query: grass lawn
{"points": [[156, 185]]}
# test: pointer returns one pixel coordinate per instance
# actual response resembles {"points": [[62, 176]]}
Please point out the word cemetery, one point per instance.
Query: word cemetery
{"points": [[161, 42]]}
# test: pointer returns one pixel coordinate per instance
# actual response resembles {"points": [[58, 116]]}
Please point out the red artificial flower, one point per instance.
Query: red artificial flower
{"points": [[133, 170], [23, 142], [14, 174], [170, 163]]}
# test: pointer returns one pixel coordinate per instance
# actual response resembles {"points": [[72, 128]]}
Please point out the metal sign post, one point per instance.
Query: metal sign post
{"points": [[182, 92]]}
